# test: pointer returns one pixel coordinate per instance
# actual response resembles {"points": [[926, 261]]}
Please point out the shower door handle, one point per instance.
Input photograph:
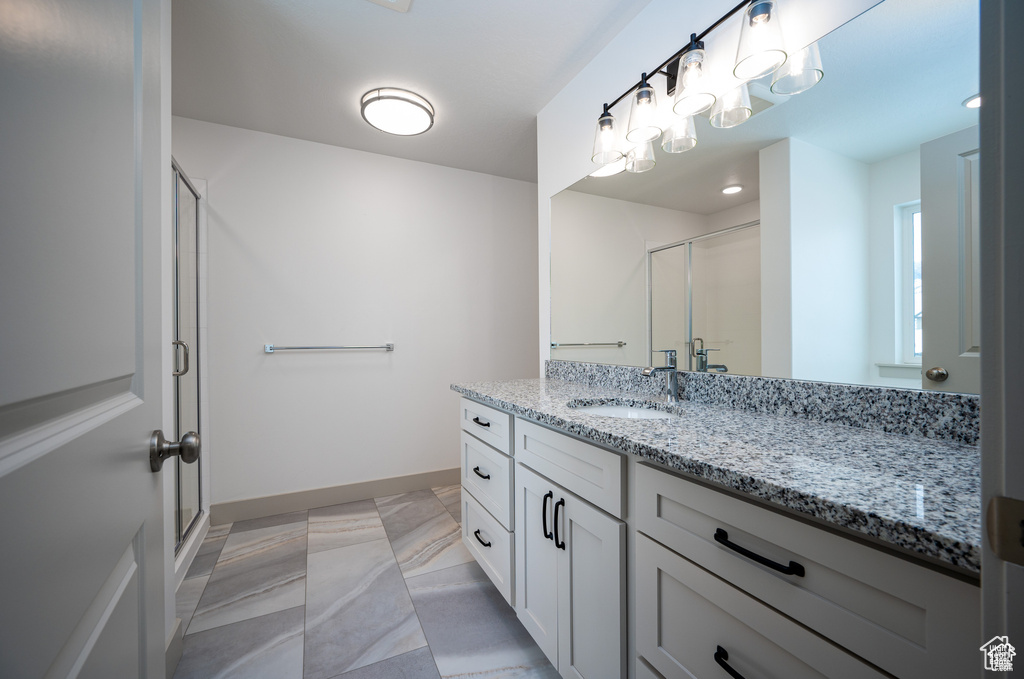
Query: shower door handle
{"points": [[179, 373], [160, 449]]}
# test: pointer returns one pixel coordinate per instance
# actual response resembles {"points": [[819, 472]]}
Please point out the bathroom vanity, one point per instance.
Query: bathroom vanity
{"points": [[718, 541]]}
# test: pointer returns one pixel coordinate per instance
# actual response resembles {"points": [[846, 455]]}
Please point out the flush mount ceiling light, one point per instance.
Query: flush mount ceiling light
{"points": [[396, 111], [761, 51], [972, 102], [735, 188]]}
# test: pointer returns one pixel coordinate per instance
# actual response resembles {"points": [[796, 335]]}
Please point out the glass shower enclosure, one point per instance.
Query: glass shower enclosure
{"points": [[186, 348]]}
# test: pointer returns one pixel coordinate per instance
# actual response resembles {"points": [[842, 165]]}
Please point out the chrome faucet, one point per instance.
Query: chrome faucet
{"points": [[672, 384]]}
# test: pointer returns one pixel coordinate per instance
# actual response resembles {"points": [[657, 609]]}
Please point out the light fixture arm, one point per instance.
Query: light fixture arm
{"points": [[672, 63]]}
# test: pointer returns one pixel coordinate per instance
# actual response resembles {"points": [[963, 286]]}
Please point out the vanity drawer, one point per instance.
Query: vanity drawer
{"points": [[903, 617], [491, 426], [487, 475], [491, 545], [685, 614], [590, 472]]}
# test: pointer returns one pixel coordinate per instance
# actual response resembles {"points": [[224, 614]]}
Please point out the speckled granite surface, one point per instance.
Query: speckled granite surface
{"points": [[932, 414], [920, 494]]}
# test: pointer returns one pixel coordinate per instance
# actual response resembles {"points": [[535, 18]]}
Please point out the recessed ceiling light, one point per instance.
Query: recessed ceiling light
{"points": [[396, 111], [972, 102], [735, 188]]}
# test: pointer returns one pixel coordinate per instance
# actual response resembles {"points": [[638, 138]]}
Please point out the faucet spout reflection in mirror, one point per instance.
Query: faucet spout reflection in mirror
{"points": [[701, 356]]}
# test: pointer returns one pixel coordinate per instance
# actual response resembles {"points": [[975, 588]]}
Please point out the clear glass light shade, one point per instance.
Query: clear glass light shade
{"points": [[801, 72], [692, 96], [640, 158], [611, 168], [396, 111], [732, 108], [606, 141], [643, 117], [761, 49], [682, 136]]}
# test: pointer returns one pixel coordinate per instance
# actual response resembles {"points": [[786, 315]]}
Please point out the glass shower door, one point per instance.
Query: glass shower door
{"points": [[186, 347]]}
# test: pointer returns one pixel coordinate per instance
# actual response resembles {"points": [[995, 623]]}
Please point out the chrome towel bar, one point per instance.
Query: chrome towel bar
{"points": [[558, 345], [270, 348]]}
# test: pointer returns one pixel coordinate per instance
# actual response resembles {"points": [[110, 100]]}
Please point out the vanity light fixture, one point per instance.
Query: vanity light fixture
{"points": [[761, 49], [397, 111], [643, 126], [735, 188], [972, 102], [800, 73], [692, 95], [606, 140]]}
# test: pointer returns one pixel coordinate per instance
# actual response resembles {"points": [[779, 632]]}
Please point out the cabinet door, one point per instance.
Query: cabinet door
{"points": [[591, 589], [537, 561]]}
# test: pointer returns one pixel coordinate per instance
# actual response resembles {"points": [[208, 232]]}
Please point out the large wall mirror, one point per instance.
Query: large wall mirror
{"points": [[850, 254]]}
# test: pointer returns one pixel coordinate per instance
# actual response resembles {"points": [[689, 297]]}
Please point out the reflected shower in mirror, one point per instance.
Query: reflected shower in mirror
{"points": [[830, 280]]}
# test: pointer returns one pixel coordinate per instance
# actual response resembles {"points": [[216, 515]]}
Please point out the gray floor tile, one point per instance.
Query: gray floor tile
{"points": [[423, 534], [268, 646], [260, 571], [187, 598], [268, 521], [471, 630], [418, 664], [358, 610], [451, 498], [343, 525], [209, 551]]}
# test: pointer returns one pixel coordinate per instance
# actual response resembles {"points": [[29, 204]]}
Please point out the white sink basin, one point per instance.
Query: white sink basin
{"points": [[630, 412]]}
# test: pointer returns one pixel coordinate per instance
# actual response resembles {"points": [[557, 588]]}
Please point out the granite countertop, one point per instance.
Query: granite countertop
{"points": [[919, 494]]}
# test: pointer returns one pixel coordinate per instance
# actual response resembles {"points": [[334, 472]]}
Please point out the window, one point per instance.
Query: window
{"points": [[909, 265]]}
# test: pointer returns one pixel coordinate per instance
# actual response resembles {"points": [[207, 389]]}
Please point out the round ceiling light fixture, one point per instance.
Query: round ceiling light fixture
{"points": [[397, 111], [972, 101], [735, 188]]}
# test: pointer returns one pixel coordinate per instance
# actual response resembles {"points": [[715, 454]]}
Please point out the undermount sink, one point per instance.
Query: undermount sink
{"points": [[629, 412]]}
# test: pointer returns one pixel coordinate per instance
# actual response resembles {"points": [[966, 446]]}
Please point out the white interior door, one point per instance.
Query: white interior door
{"points": [[950, 271], [82, 180]]}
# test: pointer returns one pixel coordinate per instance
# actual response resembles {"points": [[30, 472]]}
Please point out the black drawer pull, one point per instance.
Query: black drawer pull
{"points": [[482, 424], [558, 543], [480, 474], [480, 539], [721, 655], [544, 514], [792, 569]]}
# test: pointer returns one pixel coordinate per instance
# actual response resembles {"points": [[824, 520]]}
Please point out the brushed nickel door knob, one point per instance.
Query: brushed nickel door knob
{"points": [[936, 374], [160, 449]]}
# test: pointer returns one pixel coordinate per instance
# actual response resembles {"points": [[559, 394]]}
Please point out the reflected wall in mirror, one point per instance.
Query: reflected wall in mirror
{"points": [[863, 266]]}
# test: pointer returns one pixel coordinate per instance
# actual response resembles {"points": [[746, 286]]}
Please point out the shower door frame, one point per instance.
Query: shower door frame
{"points": [[184, 536], [688, 242]]}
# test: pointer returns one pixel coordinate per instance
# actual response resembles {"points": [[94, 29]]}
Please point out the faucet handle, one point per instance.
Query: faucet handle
{"points": [[670, 357]]}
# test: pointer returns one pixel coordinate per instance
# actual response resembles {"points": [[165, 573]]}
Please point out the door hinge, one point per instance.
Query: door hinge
{"points": [[1004, 522]]}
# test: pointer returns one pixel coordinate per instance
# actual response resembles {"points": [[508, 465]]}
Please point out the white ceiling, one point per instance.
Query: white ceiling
{"points": [[894, 77], [298, 68]]}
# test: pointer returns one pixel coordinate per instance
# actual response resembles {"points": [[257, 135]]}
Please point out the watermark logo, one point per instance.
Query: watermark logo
{"points": [[998, 654]]}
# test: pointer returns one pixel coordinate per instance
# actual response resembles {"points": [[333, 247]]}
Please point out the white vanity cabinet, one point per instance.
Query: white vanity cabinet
{"points": [[487, 485], [570, 569], [754, 581]]}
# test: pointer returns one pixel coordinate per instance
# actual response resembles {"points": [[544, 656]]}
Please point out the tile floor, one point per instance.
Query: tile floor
{"points": [[377, 589]]}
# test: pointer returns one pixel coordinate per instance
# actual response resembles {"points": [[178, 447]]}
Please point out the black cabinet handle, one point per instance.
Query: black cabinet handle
{"points": [[480, 474], [482, 424], [480, 539], [544, 513], [792, 569], [558, 543], [721, 655]]}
